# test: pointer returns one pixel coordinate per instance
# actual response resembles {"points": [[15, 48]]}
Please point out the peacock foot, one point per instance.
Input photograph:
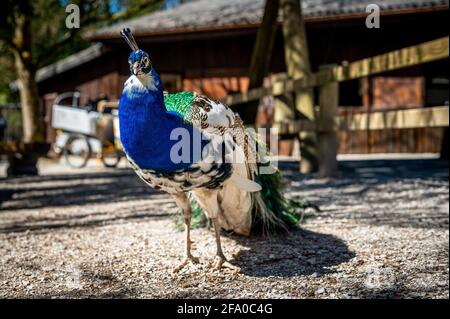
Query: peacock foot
{"points": [[186, 261], [221, 261]]}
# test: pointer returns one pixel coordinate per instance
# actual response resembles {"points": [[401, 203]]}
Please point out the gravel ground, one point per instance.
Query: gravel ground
{"points": [[383, 233]]}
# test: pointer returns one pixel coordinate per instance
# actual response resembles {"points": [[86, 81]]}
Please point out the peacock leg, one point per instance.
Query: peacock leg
{"points": [[210, 201], [183, 202], [220, 260]]}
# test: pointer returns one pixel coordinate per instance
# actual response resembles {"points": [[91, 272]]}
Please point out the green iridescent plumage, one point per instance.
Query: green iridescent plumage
{"points": [[180, 103]]}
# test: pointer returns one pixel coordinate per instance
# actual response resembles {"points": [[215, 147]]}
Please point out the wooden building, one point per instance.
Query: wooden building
{"points": [[206, 45]]}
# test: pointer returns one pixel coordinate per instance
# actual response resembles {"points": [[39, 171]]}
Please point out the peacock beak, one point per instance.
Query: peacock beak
{"points": [[136, 68]]}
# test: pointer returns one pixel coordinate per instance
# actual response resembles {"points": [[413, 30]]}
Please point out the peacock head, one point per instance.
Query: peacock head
{"points": [[138, 60]]}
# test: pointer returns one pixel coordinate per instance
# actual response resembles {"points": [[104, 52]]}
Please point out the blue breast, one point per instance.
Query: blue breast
{"points": [[146, 127]]}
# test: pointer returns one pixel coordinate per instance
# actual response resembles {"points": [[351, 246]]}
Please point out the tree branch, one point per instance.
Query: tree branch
{"points": [[47, 55], [9, 42], [90, 20]]}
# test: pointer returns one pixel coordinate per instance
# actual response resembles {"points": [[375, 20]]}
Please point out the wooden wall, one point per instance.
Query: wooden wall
{"points": [[217, 64], [103, 76], [421, 140], [218, 87]]}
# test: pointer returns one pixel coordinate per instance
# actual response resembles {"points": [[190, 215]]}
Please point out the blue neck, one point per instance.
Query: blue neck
{"points": [[145, 125]]}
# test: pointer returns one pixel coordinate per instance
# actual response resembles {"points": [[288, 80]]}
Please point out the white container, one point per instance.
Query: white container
{"points": [[71, 119], [115, 113]]}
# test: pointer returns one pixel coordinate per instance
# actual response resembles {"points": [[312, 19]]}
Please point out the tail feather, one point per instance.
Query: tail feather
{"points": [[245, 184], [274, 211], [271, 211]]}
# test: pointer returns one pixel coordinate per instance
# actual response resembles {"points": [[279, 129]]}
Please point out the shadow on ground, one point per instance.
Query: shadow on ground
{"points": [[298, 253], [122, 184], [357, 179], [380, 170], [396, 193], [80, 189], [47, 225]]}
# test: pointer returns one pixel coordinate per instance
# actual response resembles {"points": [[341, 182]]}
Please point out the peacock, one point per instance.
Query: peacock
{"points": [[159, 132]]}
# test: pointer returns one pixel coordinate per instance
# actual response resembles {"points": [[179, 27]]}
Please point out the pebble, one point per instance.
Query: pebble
{"points": [[376, 237], [320, 291]]}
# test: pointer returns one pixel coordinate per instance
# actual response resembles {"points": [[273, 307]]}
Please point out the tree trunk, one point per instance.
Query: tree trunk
{"points": [[298, 66], [33, 128], [33, 125], [261, 56]]}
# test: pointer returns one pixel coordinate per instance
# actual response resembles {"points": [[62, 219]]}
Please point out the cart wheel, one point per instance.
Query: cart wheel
{"points": [[111, 156], [77, 151]]}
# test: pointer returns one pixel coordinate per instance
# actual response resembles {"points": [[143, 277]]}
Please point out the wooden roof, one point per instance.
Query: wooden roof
{"points": [[67, 63], [201, 15]]}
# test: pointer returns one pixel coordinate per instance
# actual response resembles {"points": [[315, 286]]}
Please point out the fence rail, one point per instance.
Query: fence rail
{"points": [[398, 119], [414, 55], [327, 122], [437, 116]]}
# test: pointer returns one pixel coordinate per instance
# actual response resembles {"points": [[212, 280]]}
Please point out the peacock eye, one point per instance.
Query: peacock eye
{"points": [[145, 61]]}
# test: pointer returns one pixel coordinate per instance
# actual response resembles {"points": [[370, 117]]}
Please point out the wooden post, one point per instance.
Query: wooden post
{"points": [[48, 100], [284, 112], [327, 141], [444, 153], [261, 56], [298, 66], [262, 51]]}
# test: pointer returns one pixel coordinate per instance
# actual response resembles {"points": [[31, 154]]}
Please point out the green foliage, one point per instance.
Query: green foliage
{"points": [[48, 28], [7, 76], [33, 33], [199, 219], [45, 38], [13, 119]]}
